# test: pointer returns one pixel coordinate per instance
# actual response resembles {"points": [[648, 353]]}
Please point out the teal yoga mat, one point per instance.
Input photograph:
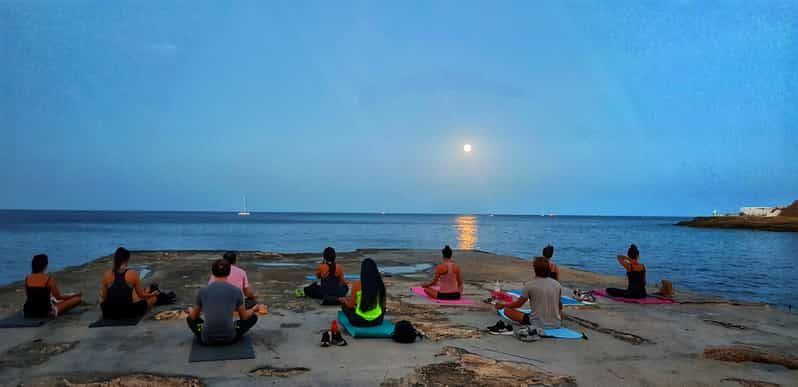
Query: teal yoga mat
{"points": [[559, 333], [381, 331], [348, 277]]}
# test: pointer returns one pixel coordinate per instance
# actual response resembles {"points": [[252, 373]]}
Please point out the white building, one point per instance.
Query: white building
{"points": [[760, 211]]}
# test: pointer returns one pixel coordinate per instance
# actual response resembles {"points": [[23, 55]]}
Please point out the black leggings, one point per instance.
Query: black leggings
{"points": [[448, 296], [317, 291], [624, 293], [358, 321], [242, 326], [121, 312]]}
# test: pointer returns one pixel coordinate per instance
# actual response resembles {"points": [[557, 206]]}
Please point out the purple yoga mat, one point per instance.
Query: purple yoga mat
{"points": [[642, 301], [419, 291]]}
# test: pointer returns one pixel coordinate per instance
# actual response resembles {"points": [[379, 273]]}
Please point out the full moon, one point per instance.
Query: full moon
{"points": [[467, 148]]}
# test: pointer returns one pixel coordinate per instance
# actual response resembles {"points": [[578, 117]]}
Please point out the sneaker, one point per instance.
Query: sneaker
{"points": [[581, 295], [299, 292], [338, 340], [325, 339], [529, 334], [500, 328]]}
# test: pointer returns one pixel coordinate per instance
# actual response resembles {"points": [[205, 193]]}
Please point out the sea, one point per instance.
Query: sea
{"points": [[746, 265]]}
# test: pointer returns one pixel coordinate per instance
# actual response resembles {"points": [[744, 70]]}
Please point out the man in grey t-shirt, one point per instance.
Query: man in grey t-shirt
{"points": [[545, 303], [217, 302]]}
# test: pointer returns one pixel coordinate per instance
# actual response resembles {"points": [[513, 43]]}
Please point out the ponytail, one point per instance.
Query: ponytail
{"points": [[329, 259], [121, 256]]}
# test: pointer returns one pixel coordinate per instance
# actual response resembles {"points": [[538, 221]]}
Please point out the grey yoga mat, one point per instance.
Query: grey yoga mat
{"points": [[18, 320], [241, 349], [131, 321]]}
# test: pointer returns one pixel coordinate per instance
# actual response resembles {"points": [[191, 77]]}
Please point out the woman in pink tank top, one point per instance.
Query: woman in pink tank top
{"points": [[447, 274]]}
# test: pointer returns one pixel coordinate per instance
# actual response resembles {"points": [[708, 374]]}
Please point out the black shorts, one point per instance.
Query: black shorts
{"points": [[448, 296]]}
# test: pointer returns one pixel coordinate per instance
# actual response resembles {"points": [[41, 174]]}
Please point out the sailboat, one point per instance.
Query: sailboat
{"points": [[244, 212]]}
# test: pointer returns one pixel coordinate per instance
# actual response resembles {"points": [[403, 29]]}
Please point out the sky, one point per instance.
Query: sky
{"points": [[575, 107]]}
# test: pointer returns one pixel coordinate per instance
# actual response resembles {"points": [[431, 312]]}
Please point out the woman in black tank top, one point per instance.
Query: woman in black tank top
{"points": [[635, 273], [329, 288], [117, 295], [43, 299]]}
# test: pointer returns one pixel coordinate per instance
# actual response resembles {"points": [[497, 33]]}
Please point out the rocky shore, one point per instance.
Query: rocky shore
{"points": [[776, 223], [787, 220], [701, 340]]}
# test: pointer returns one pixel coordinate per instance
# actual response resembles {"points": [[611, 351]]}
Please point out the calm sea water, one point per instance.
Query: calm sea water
{"points": [[738, 264]]}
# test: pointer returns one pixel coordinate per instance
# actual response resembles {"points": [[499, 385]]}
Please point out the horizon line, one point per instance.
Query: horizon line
{"points": [[233, 211]]}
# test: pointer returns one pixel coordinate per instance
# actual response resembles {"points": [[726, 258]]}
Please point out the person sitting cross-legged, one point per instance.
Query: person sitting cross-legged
{"points": [[41, 289], [543, 294], [216, 303], [119, 286], [332, 282], [365, 307], [447, 274], [237, 278]]}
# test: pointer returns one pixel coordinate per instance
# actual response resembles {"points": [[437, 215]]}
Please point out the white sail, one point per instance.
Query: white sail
{"points": [[244, 212]]}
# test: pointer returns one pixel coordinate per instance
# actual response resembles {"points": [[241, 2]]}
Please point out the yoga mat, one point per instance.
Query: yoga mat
{"points": [[642, 301], [566, 301], [558, 333], [18, 320], [101, 323], [240, 349], [348, 277], [419, 291], [381, 331]]}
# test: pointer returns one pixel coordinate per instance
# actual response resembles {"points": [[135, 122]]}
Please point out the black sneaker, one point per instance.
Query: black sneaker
{"points": [[529, 334], [325, 339], [501, 329], [338, 340]]}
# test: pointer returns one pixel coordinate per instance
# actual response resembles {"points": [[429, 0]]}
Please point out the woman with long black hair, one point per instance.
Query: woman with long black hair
{"points": [[365, 306], [118, 287]]}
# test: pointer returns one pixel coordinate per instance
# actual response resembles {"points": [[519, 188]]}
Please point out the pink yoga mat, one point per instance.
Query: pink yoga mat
{"points": [[642, 301], [419, 291]]}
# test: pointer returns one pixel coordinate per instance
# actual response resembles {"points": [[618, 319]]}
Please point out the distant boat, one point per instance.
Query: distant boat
{"points": [[244, 212]]}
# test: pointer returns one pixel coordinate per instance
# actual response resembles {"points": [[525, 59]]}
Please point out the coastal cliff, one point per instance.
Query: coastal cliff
{"points": [[787, 220]]}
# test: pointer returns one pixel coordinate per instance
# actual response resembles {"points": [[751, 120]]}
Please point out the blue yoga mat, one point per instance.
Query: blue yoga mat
{"points": [[348, 277], [565, 300], [559, 333], [381, 331]]}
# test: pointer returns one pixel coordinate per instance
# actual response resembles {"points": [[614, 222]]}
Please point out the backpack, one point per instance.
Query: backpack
{"points": [[403, 332]]}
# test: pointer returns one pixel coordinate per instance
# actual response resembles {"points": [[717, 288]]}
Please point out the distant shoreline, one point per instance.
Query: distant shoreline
{"points": [[775, 223]]}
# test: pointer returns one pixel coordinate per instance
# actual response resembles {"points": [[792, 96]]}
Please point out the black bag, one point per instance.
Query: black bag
{"points": [[166, 298], [403, 332]]}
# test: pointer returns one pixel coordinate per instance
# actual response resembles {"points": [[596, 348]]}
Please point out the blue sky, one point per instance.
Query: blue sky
{"points": [[617, 107]]}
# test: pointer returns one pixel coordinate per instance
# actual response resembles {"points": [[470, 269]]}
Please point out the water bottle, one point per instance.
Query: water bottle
{"points": [[497, 291]]}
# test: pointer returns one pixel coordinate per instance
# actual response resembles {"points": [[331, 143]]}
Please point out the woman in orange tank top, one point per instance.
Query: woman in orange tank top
{"points": [[448, 275]]}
